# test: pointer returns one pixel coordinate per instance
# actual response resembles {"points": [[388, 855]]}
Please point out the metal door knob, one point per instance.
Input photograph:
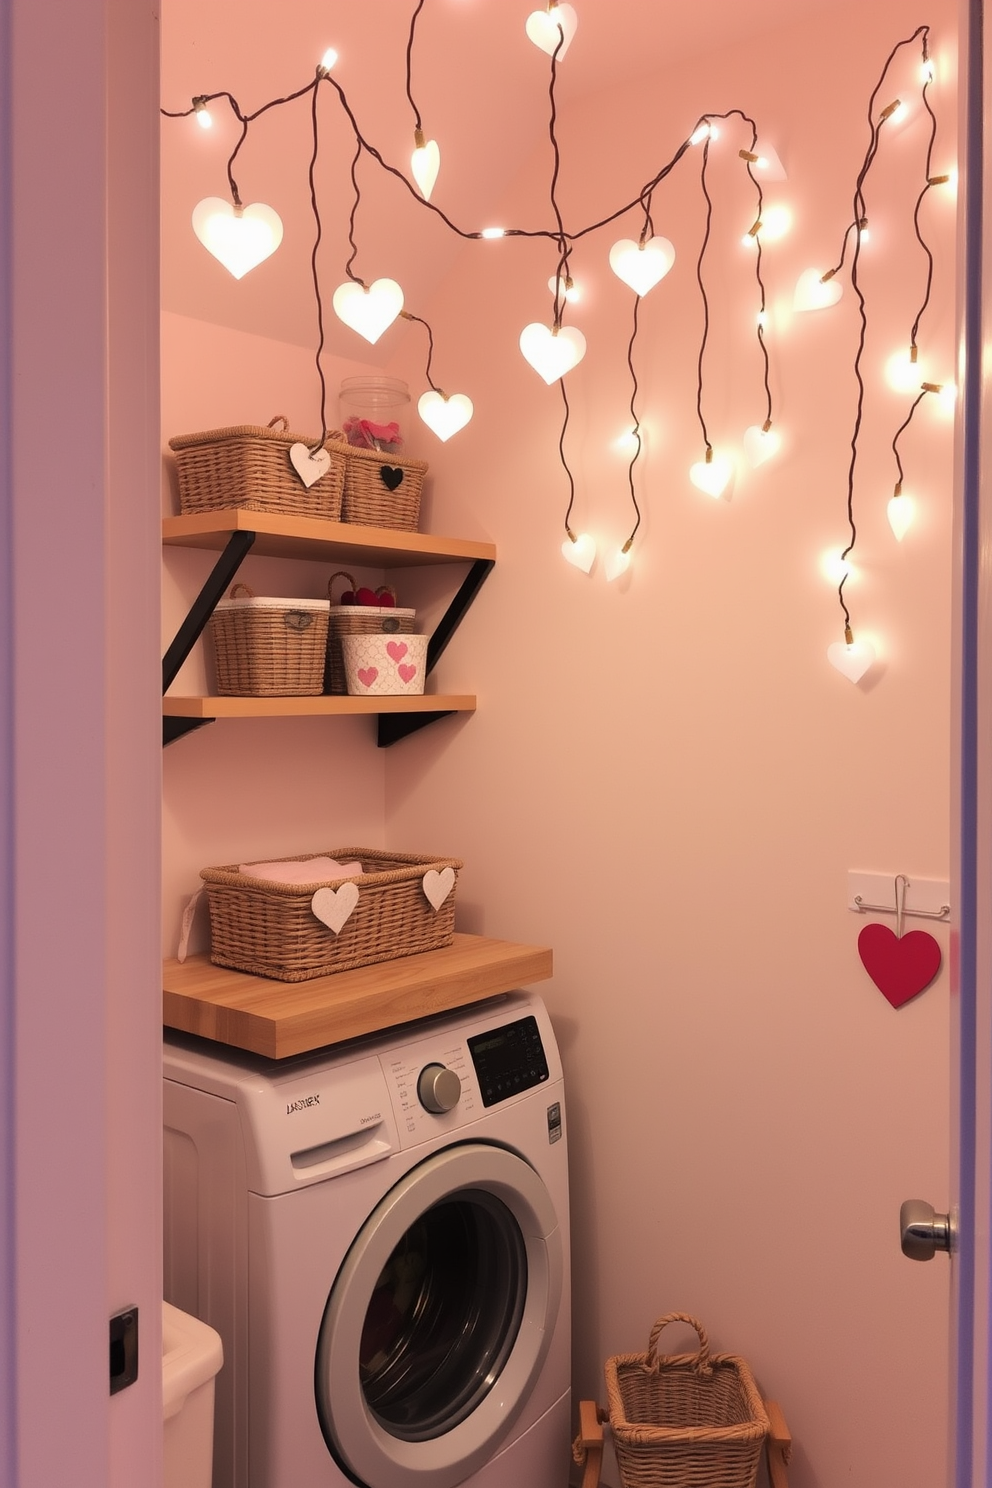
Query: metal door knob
{"points": [[923, 1231], [439, 1088]]}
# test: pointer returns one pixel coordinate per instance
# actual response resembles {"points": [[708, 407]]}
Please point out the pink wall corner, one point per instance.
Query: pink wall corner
{"points": [[666, 780]]}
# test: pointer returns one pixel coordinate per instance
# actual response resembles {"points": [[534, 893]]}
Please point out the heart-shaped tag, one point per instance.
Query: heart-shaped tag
{"points": [[581, 553], [239, 237], [437, 886], [641, 266], [425, 162], [333, 907], [309, 465], [407, 672], [367, 675], [445, 416], [542, 28], [760, 444], [368, 311], [712, 476], [549, 354], [900, 966], [812, 294], [396, 650], [851, 661], [391, 477]]}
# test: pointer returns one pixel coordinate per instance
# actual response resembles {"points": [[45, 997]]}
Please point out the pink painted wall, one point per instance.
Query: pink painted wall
{"points": [[667, 782], [665, 779]]}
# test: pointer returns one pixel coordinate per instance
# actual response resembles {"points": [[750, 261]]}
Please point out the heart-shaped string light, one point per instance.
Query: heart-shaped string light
{"points": [[368, 310], [542, 28], [425, 162], [814, 291], [444, 414], [712, 475], [564, 289], [850, 657], [899, 512], [617, 561], [552, 353], [641, 265], [579, 549], [761, 442], [239, 237]]}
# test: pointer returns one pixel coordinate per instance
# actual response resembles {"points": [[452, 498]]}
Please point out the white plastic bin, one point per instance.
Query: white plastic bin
{"points": [[192, 1353]]}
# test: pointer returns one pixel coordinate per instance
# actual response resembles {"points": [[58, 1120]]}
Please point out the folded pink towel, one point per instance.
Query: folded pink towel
{"points": [[311, 870]]}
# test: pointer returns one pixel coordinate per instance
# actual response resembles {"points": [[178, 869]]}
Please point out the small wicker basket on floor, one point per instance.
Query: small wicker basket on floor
{"points": [[272, 930], [382, 490], [354, 619], [685, 1420], [250, 467], [269, 647]]}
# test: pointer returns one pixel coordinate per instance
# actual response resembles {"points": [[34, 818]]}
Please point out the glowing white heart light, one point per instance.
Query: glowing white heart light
{"points": [[425, 162], [579, 551], [851, 658], [617, 562], [702, 131], [900, 513], [776, 221], [550, 354], [947, 397], [445, 415], [760, 444], [239, 237], [812, 293], [768, 166], [641, 265], [834, 567], [202, 113], [368, 311], [712, 475], [905, 372], [542, 28], [328, 60], [566, 288]]}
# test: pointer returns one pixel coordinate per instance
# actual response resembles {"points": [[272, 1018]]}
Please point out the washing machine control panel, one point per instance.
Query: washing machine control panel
{"points": [[508, 1060], [432, 1087]]}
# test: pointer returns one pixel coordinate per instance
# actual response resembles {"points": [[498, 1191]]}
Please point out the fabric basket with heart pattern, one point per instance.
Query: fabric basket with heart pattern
{"points": [[382, 490], [400, 904]]}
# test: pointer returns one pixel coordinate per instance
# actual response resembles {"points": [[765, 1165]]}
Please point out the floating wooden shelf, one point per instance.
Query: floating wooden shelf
{"points": [[312, 707], [277, 1019], [278, 536]]}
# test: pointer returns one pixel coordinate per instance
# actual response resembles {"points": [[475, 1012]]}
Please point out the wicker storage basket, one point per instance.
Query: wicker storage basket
{"points": [[382, 490], [345, 620], [685, 1420], [272, 930], [269, 647], [250, 467]]}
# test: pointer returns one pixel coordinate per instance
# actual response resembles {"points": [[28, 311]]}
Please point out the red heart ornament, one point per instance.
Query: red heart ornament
{"points": [[900, 966]]}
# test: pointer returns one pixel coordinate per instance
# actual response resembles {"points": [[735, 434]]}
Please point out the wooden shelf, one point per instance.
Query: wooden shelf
{"points": [[312, 707], [277, 1019], [278, 536]]}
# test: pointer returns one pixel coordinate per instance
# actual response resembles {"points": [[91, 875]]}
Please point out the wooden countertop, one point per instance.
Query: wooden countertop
{"points": [[277, 1019]]}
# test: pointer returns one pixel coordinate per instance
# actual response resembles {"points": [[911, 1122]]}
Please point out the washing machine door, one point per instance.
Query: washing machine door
{"points": [[439, 1320]]}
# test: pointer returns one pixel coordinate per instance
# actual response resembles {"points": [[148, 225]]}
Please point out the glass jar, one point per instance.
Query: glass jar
{"points": [[372, 409]]}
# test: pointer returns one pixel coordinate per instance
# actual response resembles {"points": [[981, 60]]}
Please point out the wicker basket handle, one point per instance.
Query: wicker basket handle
{"points": [[341, 574], [242, 590], [702, 1365], [280, 418]]}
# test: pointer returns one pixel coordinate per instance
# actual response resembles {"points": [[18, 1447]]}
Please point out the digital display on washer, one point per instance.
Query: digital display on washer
{"points": [[508, 1060]]}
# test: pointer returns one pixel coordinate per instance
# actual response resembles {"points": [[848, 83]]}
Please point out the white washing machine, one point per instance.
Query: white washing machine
{"points": [[379, 1233]]}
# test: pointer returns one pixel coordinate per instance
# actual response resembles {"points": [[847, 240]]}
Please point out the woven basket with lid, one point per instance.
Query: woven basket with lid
{"points": [[685, 1420], [269, 647], [250, 467]]}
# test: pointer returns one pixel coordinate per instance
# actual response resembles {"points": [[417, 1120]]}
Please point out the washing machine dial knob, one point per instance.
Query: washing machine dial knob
{"points": [[439, 1088]]}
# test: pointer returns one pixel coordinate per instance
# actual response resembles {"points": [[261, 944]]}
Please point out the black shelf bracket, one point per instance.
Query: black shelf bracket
{"points": [[396, 726], [238, 546]]}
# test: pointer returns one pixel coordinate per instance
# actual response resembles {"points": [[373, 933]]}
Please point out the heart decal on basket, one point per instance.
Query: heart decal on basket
{"points": [[438, 885], [407, 671], [445, 416], [901, 966], [367, 675], [542, 28], [396, 650], [309, 465], [391, 477], [368, 311], [550, 355], [239, 238], [334, 907]]}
